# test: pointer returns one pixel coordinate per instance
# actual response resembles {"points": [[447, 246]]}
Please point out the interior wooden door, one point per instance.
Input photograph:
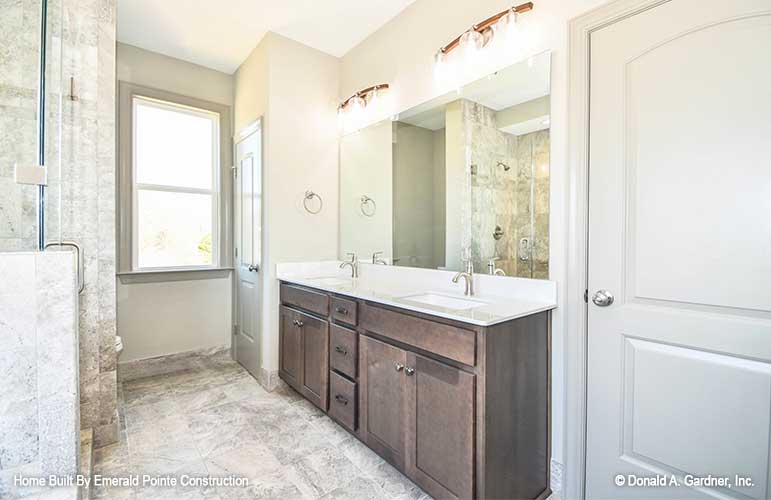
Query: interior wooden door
{"points": [[314, 358], [440, 427], [382, 398], [679, 362], [248, 254]]}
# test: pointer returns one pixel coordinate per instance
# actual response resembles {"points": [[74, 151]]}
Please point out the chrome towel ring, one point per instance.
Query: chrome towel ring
{"points": [[366, 202], [309, 195]]}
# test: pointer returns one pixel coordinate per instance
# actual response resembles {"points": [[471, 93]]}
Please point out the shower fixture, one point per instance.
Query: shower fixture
{"points": [[498, 233]]}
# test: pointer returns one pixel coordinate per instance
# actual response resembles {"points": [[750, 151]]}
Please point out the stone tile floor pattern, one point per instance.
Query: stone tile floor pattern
{"points": [[216, 420]]}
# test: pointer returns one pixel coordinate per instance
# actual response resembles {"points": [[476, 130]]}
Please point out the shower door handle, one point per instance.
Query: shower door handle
{"points": [[78, 257]]}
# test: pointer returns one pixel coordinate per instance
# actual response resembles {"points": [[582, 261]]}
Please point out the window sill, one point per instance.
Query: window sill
{"points": [[166, 275]]}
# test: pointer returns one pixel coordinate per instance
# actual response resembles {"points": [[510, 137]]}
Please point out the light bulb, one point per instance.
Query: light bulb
{"points": [[470, 43], [506, 28]]}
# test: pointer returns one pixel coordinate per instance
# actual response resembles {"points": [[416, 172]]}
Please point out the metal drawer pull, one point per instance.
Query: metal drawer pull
{"points": [[342, 310], [409, 371], [398, 366], [341, 350], [340, 399], [297, 322]]}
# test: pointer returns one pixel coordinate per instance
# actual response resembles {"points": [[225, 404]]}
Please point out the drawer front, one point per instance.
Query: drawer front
{"points": [[305, 298], [444, 340], [344, 310], [343, 350], [342, 400]]}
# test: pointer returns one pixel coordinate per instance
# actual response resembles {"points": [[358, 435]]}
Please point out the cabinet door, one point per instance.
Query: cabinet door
{"points": [[314, 359], [440, 428], [382, 398], [290, 348]]}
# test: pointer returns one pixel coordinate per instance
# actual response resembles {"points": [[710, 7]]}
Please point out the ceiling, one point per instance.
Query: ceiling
{"points": [[516, 84], [220, 34]]}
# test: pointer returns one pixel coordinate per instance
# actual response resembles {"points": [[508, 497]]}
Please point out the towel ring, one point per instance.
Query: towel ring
{"points": [[366, 201], [309, 195]]}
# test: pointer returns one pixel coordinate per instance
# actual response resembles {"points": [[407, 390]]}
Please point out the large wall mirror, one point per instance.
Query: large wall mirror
{"points": [[465, 175]]}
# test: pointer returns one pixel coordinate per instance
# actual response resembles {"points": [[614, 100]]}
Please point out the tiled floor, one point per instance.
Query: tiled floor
{"points": [[217, 421]]}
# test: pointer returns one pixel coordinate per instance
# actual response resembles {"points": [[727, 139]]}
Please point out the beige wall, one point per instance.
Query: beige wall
{"points": [[155, 70], [401, 52], [523, 112], [160, 318], [366, 168], [300, 153], [413, 196]]}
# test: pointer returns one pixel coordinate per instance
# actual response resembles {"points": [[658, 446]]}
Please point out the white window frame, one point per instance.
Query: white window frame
{"points": [[136, 186]]}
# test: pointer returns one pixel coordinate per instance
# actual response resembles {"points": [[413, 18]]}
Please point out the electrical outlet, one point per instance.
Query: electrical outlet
{"points": [[555, 482]]}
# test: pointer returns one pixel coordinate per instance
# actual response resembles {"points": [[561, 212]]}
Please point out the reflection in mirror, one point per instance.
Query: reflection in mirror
{"points": [[465, 175]]}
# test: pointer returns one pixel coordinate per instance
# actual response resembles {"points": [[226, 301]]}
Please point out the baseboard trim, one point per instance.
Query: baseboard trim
{"points": [[168, 363], [269, 379]]}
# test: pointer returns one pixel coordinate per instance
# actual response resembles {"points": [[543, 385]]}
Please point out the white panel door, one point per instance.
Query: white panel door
{"points": [[679, 365], [248, 224]]}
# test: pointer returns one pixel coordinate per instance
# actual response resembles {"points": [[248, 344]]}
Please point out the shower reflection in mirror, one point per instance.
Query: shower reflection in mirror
{"points": [[465, 175]]}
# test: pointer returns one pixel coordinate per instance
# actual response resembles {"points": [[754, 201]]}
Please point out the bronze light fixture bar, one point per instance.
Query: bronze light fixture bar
{"points": [[364, 93], [486, 25]]}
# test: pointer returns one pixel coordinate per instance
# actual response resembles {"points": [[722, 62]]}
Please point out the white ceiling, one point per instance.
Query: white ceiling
{"points": [[220, 34], [518, 83]]}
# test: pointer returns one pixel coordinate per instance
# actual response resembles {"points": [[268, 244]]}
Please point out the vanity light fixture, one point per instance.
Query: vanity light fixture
{"points": [[481, 33], [360, 99]]}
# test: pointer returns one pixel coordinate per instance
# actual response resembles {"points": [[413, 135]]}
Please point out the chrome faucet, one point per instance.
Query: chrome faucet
{"points": [[468, 277], [492, 270], [376, 259], [354, 265]]}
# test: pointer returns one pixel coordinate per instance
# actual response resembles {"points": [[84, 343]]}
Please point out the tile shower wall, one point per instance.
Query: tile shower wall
{"points": [[39, 429], [19, 39], [80, 198], [88, 200], [509, 194]]}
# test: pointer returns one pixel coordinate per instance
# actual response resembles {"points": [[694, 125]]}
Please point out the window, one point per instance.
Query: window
{"points": [[175, 186]]}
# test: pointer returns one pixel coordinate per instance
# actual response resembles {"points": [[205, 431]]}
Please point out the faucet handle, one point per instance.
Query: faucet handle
{"points": [[353, 256]]}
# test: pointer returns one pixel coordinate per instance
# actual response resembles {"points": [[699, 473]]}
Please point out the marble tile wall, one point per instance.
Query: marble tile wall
{"points": [[19, 40], [39, 410], [509, 190], [80, 157]]}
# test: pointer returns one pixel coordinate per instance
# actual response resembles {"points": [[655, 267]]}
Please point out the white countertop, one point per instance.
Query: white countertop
{"points": [[502, 298]]}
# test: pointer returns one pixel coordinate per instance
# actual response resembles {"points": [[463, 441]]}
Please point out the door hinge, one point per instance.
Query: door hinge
{"points": [[586, 296], [235, 329], [235, 171]]}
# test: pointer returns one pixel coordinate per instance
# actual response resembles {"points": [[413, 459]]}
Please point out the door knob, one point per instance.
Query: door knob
{"points": [[254, 267], [398, 367], [602, 298], [409, 371]]}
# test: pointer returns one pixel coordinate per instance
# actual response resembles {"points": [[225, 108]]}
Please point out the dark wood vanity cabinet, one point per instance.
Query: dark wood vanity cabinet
{"points": [[303, 355], [462, 410]]}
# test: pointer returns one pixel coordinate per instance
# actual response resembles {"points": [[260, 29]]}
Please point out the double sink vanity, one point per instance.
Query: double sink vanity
{"points": [[453, 390]]}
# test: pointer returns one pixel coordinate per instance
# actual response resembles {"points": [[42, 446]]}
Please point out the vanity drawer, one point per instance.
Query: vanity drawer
{"points": [[343, 350], [344, 310], [444, 340], [342, 400], [304, 298]]}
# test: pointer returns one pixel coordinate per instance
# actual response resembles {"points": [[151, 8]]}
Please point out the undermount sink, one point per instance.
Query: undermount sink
{"points": [[330, 281], [437, 300]]}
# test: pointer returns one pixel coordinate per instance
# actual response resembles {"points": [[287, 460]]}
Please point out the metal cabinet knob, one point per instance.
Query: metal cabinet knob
{"points": [[341, 350], [300, 323], [341, 399], [398, 366], [602, 298], [253, 268], [409, 371], [342, 310]]}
